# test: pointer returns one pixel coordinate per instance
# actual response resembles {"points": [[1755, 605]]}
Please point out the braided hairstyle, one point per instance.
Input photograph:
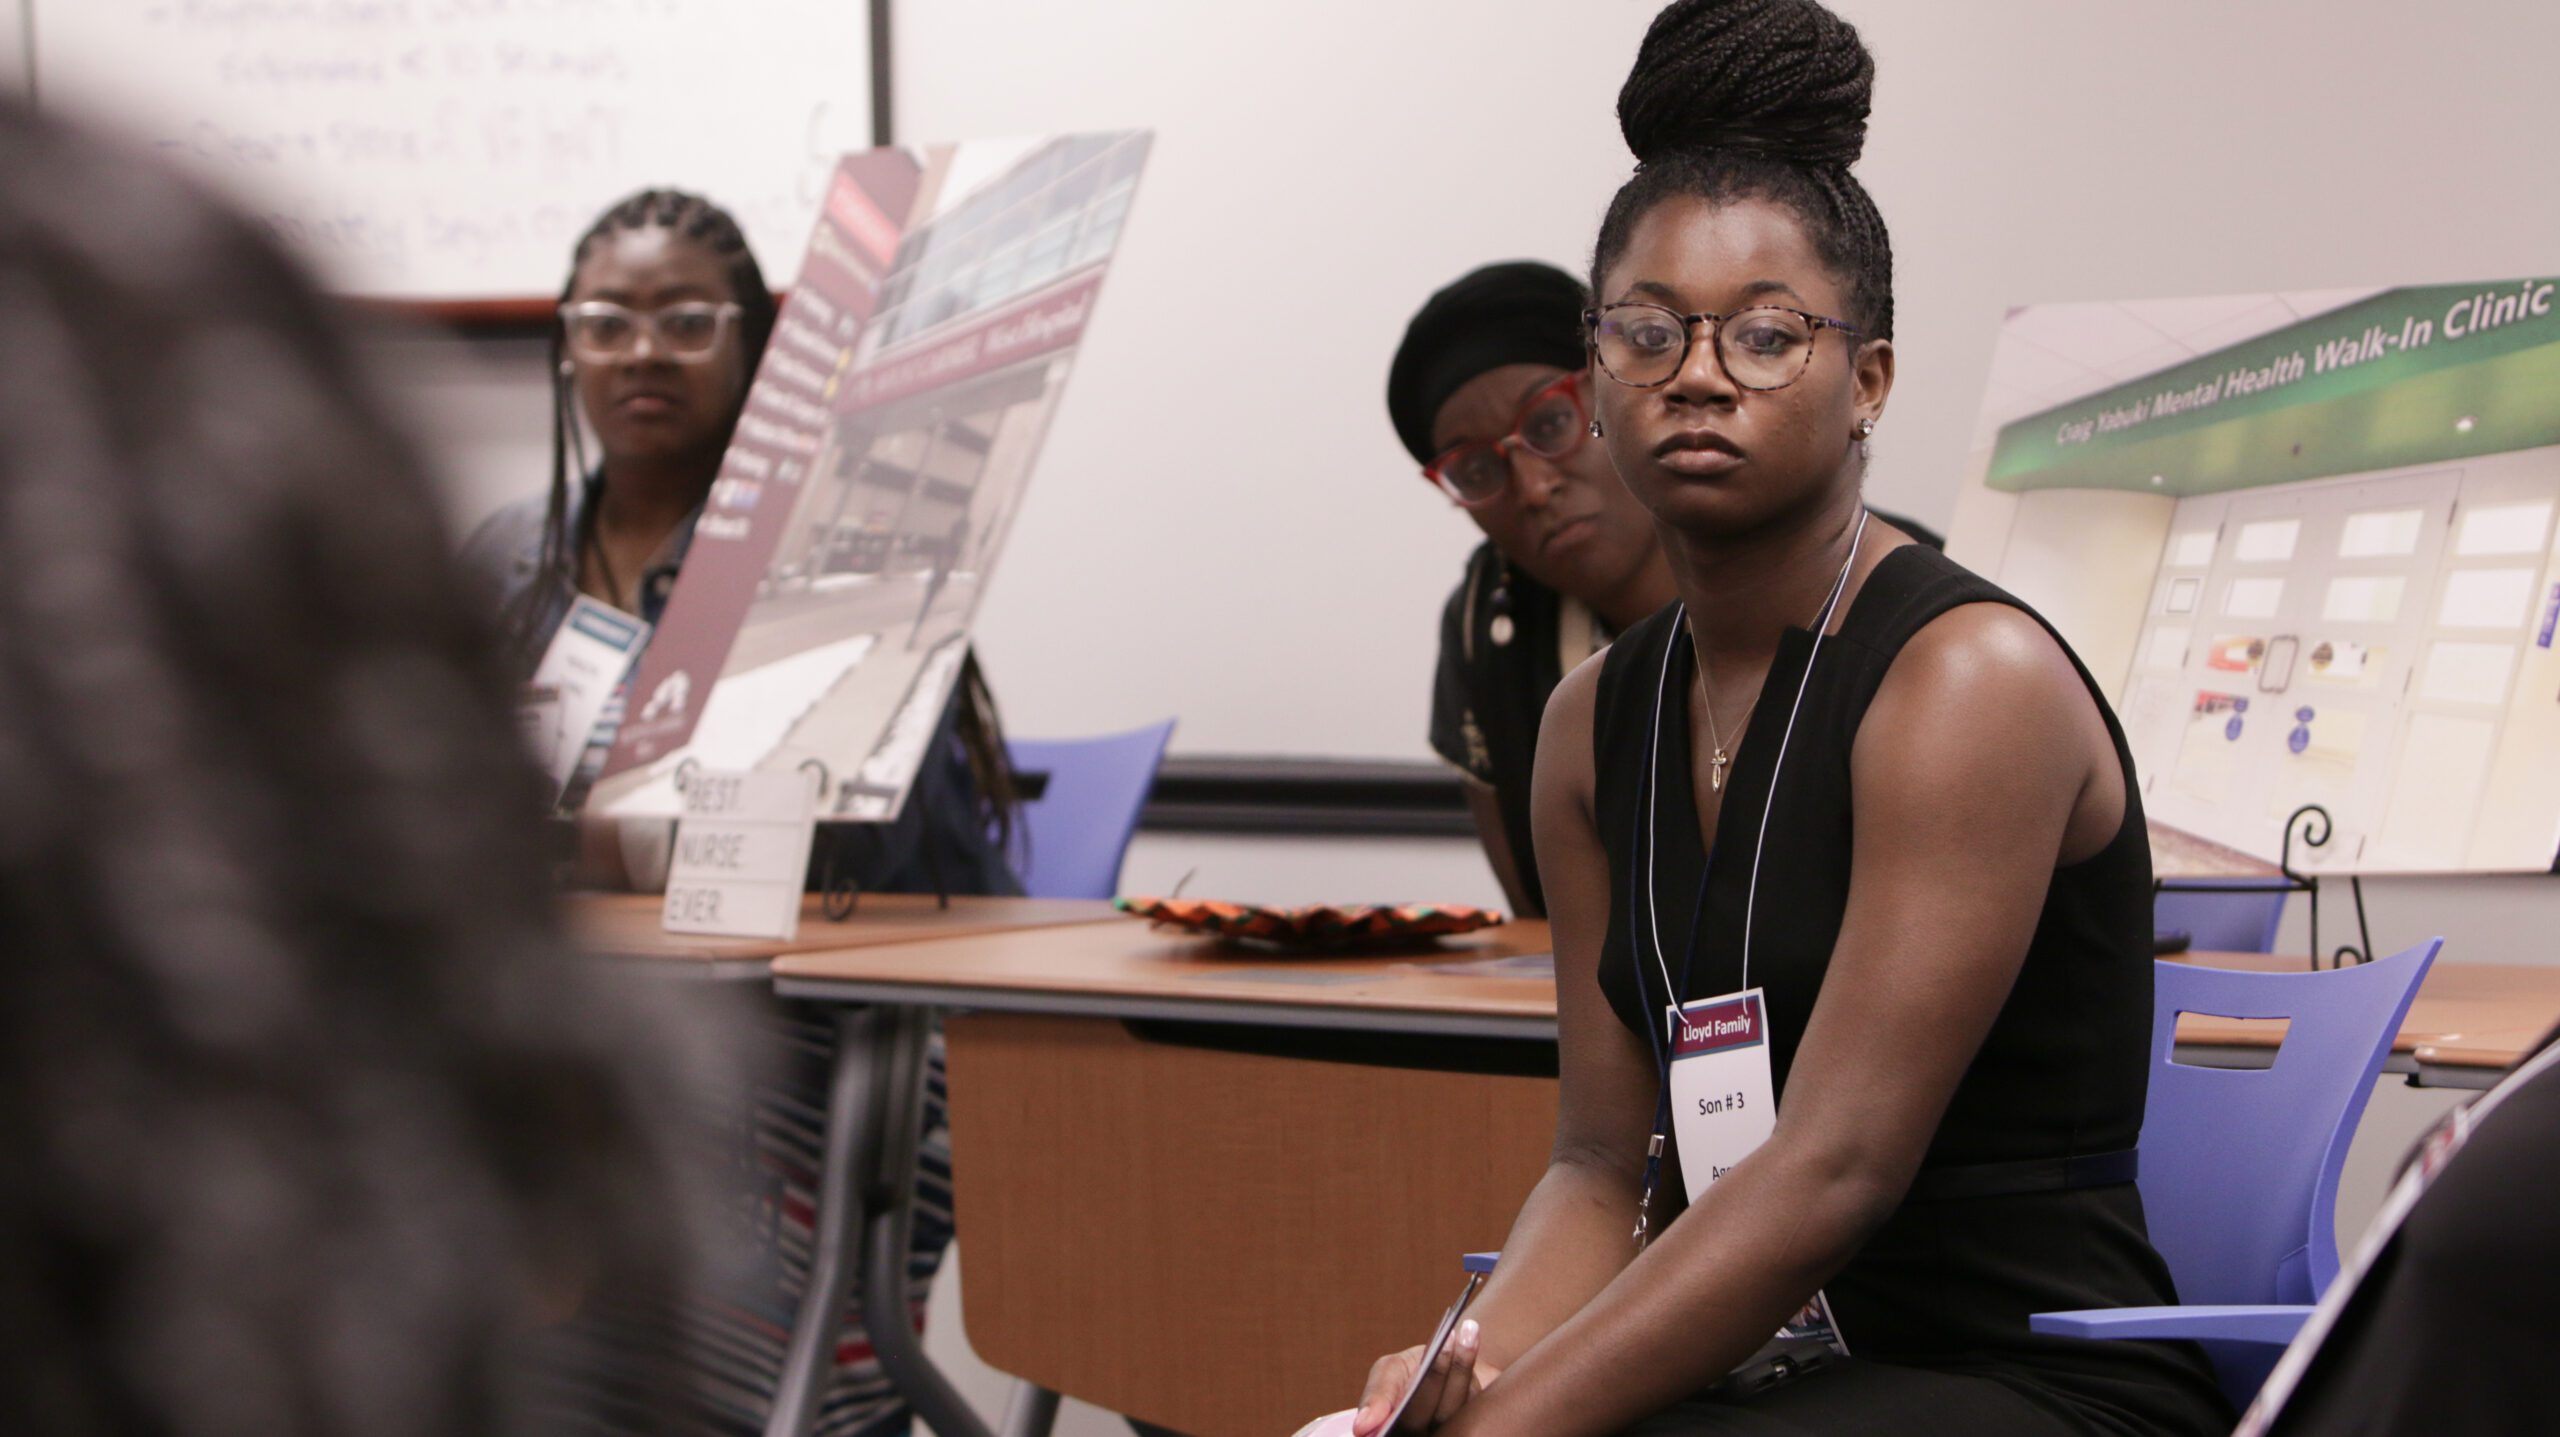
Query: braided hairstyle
{"points": [[307, 1108], [1757, 99], [701, 222], [979, 727]]}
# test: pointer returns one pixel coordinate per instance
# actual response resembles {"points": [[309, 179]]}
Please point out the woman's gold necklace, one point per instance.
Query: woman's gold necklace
{"points": [[1717, 759]]}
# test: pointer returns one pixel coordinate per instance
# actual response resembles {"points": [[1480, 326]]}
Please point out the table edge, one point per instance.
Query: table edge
{"points": [[1420, 1022]]}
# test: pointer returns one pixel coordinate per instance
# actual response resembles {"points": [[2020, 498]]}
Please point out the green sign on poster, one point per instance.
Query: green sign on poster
{"points": [[2409, 376]]}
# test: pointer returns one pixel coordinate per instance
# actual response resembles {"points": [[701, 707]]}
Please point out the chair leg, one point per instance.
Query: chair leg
{"points": [[905, 1037], [1032, 1411], [853, 1121]]}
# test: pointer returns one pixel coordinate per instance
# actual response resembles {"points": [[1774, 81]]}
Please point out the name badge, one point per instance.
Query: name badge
{"points": [[590, 653], [1724, 1103]]}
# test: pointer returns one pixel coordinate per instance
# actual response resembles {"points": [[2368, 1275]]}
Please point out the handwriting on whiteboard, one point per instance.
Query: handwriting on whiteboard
{"points": [[456, 148]]}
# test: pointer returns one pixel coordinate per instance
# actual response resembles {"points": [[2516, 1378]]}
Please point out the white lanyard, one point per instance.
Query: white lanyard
{"points": [[1760, 844], [1672, 988]]}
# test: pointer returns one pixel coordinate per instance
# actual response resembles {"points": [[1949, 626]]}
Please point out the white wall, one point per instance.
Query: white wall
{"points": [[483, 408], [1224, 527], [1234, 536], [1224, 520], [1322, 165]]}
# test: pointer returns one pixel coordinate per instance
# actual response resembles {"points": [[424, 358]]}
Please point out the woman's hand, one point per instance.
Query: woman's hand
{"points": [[1453, 1379]]}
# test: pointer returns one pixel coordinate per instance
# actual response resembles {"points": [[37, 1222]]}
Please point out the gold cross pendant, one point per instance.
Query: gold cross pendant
{"points": [[1715, 770]]}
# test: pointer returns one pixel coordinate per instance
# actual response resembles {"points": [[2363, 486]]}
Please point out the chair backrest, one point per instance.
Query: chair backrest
{"points": [[2240, 1165], [2217, 920], [1070, 839]]}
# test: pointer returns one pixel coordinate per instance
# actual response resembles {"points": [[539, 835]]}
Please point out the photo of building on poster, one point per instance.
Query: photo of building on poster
{"points": [[822, 616], [2305, 541]]}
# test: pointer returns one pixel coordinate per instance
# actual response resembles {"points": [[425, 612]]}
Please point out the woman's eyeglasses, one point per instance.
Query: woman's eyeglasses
{"points": [[602, 332], [1766, 347], [1549, 425]]}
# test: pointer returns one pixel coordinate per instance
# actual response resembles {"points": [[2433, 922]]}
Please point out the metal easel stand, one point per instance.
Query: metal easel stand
{"points": [[839, 892], [2310, 823], [2361, 950]]}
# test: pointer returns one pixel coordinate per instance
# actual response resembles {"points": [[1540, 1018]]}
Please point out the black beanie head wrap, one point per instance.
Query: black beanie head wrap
{"points": [[1520, 312]]}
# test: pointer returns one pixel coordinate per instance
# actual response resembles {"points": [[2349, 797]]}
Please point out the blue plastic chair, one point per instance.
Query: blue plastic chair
{"points": [[1070, 840], [2219, 921], [2240, 1165]]}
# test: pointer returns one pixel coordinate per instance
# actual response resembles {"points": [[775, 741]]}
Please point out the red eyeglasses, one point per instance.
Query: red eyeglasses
{"points": [[1550, 425]]}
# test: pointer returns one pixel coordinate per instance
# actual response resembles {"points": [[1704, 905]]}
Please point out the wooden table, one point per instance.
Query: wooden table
{"points": [[875, 1111], [1206, 1189], [2468, 1024], [1129, 970], [625, 925], [2176, 853], [1215, 1221]]}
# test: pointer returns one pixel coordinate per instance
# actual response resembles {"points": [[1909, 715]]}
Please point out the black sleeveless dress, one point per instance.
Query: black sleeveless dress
{"points": [[2023, 1204]]}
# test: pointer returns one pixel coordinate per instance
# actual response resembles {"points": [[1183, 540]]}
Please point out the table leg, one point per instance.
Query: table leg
{"points": [[904, 1035], [854, 1118], [1031, 1413]]}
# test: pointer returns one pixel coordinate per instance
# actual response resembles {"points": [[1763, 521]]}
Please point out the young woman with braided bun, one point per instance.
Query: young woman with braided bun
{"points": [[1846, 773], [663, 319]]}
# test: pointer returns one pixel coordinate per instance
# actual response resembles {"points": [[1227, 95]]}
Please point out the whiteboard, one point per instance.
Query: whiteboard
{"points": [[455, 149]]}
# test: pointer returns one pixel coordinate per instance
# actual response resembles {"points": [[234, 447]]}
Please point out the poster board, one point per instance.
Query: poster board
{"points": [[445, 150], [2314, 565], [823, 611]]}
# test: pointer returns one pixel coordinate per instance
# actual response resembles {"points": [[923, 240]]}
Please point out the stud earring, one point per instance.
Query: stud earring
{"points": [[1866, 430], [1595, 426]]}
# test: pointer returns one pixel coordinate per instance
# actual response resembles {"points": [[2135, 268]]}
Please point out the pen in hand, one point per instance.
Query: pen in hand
{"points": [[1421, 1388]]}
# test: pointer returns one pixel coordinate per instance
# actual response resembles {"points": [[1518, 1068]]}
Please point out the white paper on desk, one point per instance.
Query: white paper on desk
{"points": [[742, 850], [590, 654]]}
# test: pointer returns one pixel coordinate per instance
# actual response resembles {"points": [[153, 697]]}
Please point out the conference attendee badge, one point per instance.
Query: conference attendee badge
{"points": [[1724, 1103], [590, 653], [742, 852]]}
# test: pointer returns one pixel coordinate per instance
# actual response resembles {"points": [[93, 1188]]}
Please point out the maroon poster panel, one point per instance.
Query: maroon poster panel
{"points": [[824, 611], [778, 436]]}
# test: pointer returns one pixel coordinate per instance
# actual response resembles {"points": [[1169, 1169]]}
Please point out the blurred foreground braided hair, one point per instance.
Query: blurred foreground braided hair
{"points": [[309, 1117], [1765, 99]]}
